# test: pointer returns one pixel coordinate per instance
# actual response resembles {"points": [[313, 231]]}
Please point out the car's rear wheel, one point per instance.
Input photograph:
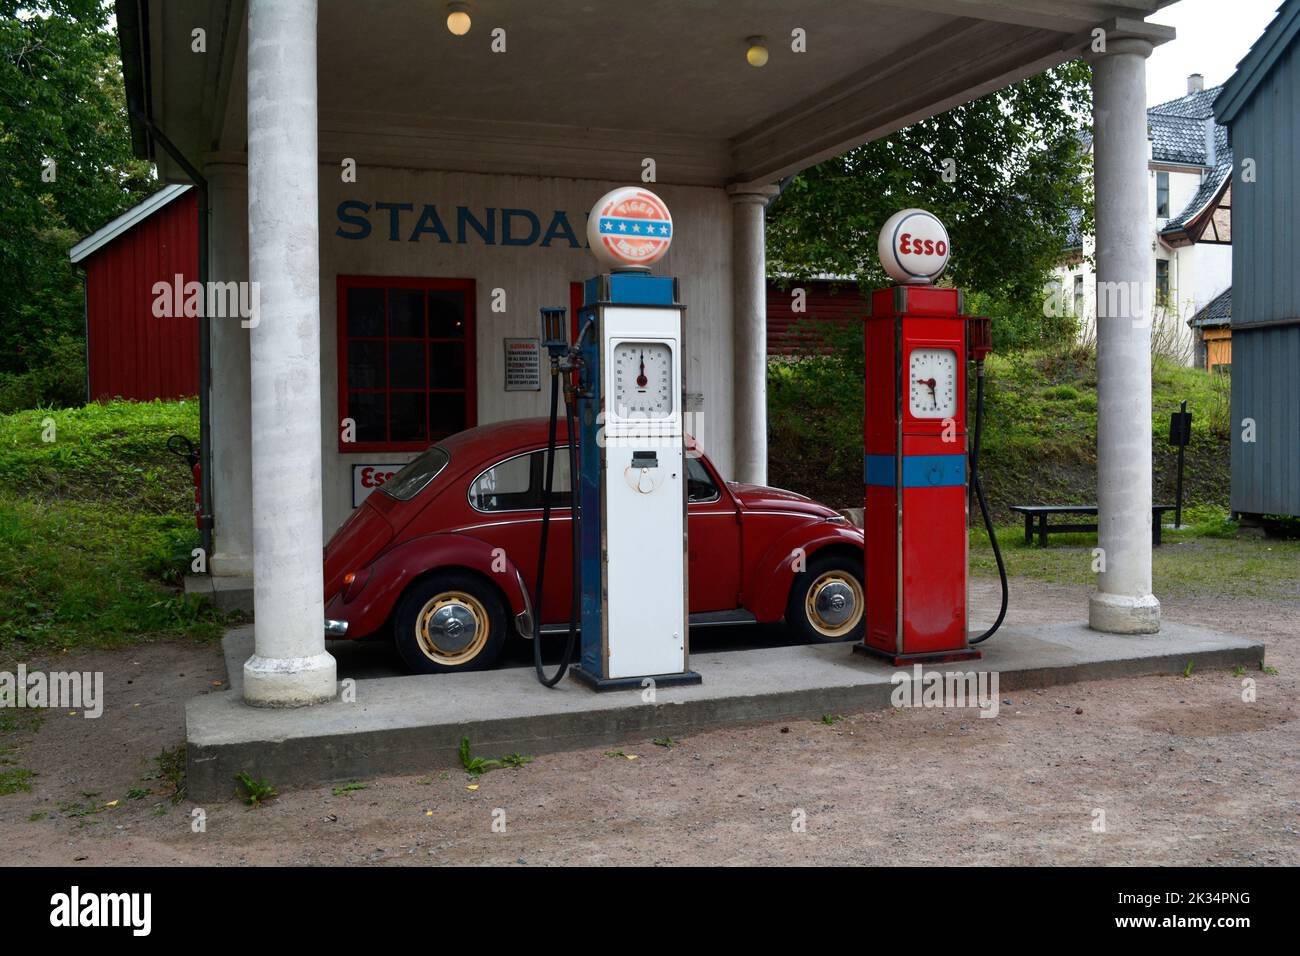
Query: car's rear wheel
{"points": [[826, 600], [449, 622]]}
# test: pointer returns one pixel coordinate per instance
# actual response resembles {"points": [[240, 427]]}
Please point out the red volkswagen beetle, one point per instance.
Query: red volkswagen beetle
{"points": [[442, 557]]}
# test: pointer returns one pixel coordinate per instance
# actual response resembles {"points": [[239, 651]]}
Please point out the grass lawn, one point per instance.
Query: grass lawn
{"points": [[96, 528], [1040, 430], [1207, 557]]}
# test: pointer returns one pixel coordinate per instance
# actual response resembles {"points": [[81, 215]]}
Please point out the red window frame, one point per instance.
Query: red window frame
{"points": [[470, 388]]}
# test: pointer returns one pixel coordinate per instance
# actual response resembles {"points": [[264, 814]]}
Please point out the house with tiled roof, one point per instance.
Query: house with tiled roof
{"points": [[1190, 169], [1213, 326]]}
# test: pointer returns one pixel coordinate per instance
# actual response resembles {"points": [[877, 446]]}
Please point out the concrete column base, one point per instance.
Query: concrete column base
{"points": [[230, 565], [1121, 614], [290, 682]]}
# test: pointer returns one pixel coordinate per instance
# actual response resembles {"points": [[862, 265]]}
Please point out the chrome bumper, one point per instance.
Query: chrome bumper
{"points": [[336, 628]]}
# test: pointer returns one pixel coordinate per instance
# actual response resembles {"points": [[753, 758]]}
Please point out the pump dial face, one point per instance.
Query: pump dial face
{"points": [[933, 388], [643, 380]]}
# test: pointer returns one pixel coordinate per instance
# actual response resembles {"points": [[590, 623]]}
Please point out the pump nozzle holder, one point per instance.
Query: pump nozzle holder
{"points": [[979, 338], [555, 336]]}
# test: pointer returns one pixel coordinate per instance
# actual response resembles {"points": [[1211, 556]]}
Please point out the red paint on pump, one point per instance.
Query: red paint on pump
{"points": [[916, 554]]}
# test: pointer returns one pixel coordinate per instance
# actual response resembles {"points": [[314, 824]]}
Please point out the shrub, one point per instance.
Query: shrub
{"points": [[56, 380]]}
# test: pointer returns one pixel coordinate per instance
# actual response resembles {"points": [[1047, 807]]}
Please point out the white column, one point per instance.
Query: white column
{"points": [[289, 666], [232, 480], [749, 298], [1123, 602]]}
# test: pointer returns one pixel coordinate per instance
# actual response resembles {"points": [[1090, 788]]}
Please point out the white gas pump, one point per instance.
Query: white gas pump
{"points": [[631, 493]]}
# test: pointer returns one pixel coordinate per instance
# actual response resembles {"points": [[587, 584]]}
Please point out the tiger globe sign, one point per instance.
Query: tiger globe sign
{"points": [[629, 228], [913, 247]]}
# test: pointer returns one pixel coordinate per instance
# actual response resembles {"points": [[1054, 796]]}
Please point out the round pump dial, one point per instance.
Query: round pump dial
{"points": [[643, 380], [932, 392]]}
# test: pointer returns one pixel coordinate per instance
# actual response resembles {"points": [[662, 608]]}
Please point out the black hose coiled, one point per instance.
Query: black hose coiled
{"points": [[978, 487], [548, 483]]}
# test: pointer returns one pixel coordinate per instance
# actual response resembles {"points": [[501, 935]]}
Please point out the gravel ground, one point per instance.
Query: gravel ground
{"points": [[1184, 771]]}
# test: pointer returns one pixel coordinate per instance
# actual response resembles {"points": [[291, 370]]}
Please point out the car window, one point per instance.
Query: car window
{"points": [[416, 475], [699, 483], [516, 483]]}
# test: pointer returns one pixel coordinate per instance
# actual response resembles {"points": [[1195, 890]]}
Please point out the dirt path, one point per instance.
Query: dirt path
{"points": [[1185, 772]]}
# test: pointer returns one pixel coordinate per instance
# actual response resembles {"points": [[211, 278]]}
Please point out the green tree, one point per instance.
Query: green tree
{"points": [[66, 168], [1020, 166]]}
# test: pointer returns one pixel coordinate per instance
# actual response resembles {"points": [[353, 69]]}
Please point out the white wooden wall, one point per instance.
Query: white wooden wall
{"points": [[532, 276]]}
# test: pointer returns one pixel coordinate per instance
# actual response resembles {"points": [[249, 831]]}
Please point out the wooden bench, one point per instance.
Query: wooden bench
{"points": [[1040, 514]]}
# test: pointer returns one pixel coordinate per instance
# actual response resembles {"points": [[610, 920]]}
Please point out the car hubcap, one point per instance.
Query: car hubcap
{"points": [[835, 604], [452, 628]]}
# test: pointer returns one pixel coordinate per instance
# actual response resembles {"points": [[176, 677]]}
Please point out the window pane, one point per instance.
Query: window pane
{"points": [[365, 364], [406, 416], [417, 474], [446, 315], [560, 483], [699, 485], [446, 413], [366, 312], [517, 483], [503, 487], [446, 365], [406, 313], [368, 410], [406, 365]]}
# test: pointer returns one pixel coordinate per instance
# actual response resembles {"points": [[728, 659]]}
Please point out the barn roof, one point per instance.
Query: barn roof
{"points": [[127, 221], [1217, 312]]}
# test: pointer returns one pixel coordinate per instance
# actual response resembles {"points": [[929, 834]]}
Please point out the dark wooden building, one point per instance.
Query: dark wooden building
{"points": [[1260, 105]]}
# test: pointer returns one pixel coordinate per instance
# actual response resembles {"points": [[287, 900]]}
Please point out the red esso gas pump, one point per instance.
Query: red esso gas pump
{"points": [[918, 341]]}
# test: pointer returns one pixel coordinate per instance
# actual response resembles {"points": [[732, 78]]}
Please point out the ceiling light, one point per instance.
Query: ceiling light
{"points": [[458, 18]]}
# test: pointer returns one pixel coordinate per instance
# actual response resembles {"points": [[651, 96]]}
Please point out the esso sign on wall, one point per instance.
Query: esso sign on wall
{"points": [[914, 247], [629, 227], [366, 478]]}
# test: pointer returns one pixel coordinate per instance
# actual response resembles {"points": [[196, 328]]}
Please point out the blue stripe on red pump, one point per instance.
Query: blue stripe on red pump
{"points": [[919, 471]]}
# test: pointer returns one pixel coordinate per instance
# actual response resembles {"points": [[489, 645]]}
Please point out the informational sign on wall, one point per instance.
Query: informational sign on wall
{"points": [[523, 365], [366, 478]]}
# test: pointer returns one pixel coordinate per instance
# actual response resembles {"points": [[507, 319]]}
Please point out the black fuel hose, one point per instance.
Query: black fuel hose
{"points": [[978, 486], [548, 482]]}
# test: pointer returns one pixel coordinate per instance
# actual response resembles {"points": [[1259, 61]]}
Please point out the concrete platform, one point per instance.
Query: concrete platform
{"points": [[228, 593], [414, 724]]}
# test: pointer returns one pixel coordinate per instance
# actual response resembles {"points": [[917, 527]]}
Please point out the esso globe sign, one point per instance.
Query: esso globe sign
{"points": [[629, 228], [914, 247]]}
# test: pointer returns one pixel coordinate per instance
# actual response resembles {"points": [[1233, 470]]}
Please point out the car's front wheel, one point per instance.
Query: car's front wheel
{"points": [[449, 622], [826, 600]]}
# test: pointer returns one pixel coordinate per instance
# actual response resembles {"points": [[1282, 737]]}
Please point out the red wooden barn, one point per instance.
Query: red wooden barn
{"points": [[131, 352], [828, 300]]}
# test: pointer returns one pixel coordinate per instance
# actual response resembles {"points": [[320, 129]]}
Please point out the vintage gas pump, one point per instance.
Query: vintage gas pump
{"points": [[631, 493], [917, 341]]}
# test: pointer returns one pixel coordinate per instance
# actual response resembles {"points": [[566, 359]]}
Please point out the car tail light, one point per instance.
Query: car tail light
{"points": [[354, 583]]}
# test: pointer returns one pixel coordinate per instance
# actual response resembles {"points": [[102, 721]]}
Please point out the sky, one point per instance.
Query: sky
{"points": [[1213, 35]]}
